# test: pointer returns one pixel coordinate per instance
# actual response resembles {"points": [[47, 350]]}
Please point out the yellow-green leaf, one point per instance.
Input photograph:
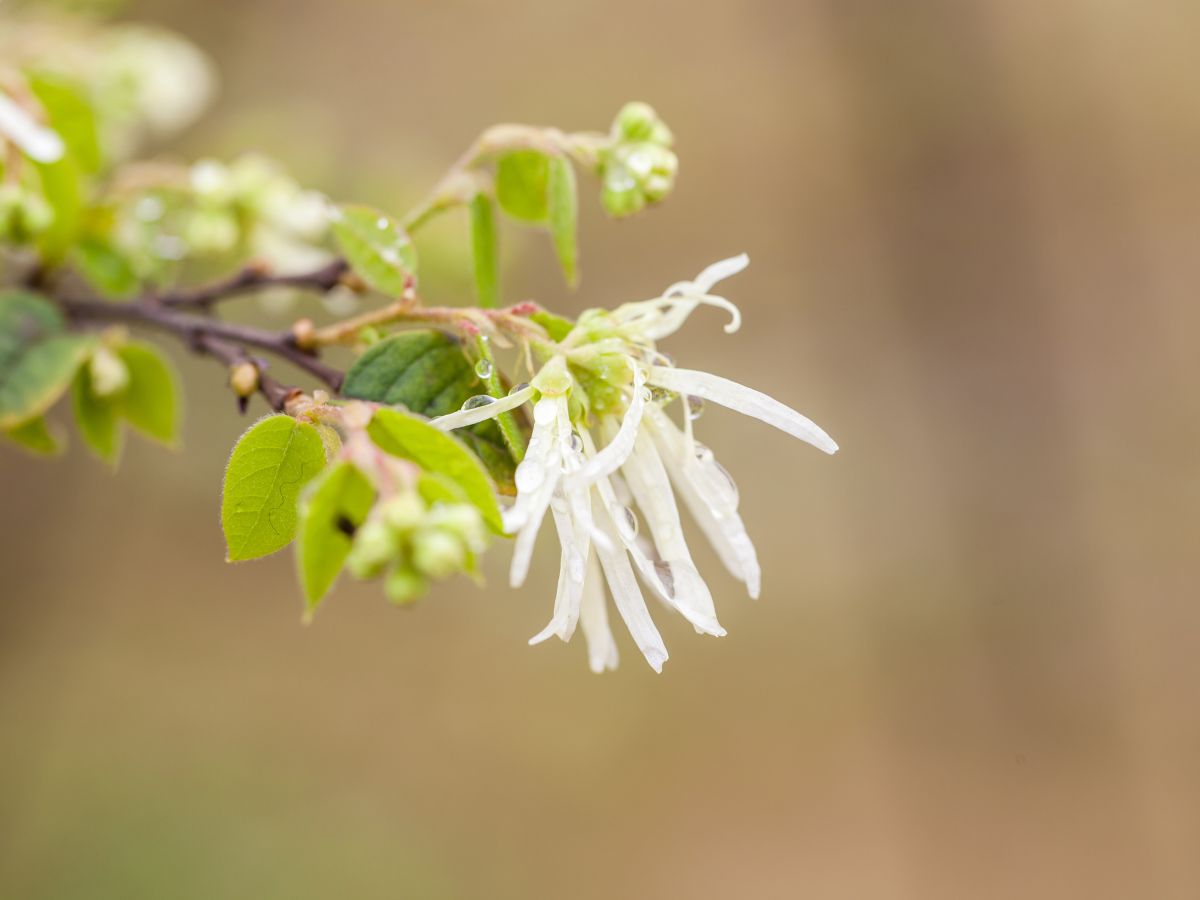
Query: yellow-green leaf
{"points": [[36, 437], [522, 178], [563, 216], [331, 509], [484, 252], [96, 417], [151, 401], [376, 247]]}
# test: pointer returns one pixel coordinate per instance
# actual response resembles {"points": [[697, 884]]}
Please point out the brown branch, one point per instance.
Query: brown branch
{"points": [[251, 278]]}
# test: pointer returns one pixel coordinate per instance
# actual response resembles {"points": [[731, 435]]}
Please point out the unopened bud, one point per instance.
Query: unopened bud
{"points": [[438, 553], [374, 547], [404, 512], [108, 374], [622, 202], [403, 586], [243, 378], [463, 520], [635, 121], [304, 333]]}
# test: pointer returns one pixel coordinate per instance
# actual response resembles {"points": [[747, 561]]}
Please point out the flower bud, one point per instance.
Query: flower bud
{"points": [[374, 547], [304, 333], [211, 231], [461, 519], [622, 202], [243, 378], [635, 121], [403, 512], [108, 373], [403, 586], [437, 553]]}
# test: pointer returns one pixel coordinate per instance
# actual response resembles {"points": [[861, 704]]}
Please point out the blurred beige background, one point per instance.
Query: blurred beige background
{"points": [[975, 229]]}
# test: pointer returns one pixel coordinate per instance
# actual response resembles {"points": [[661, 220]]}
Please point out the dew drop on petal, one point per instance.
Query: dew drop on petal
{"points": [[665, 577], [627, 521], [477, 401], [528, 476], [483, 369], [658, 395], [703, 454], [647, 395], [576, 442], [733, 489], [695, 407]]}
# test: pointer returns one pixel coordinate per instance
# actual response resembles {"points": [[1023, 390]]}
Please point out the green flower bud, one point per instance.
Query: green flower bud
{"points": [[635, 122], [375, 546], [403, 512], [438, 553], [23, 214], [404, 586], [461, 519], [211, 231], [622, 202], [108, 374]]}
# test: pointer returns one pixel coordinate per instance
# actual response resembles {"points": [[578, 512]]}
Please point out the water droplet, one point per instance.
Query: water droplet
{"points": [[628, 523], [576, 442], [734, 496], [665, 576], [544, 412], [528, 476], [695, 407], [483, 369], [518, 387], [382, 223], [703, 454], [647, 395], [659, 395], [477, 401]]}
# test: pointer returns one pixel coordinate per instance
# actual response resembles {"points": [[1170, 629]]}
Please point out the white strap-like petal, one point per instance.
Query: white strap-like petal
{"points": [[719, 271], [742, 399], [721, 524], [608, 460], [571, 573], [628, 599], [476, 414], [593, 619], [678, 310], [39, 143]]}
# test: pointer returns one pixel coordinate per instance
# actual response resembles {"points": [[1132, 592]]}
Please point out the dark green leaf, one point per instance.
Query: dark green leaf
{"points": [[563, 216], [37, 357], [484, 250], [36, 437], [96, 417], [522, 179], [335, 504], [151, 401], [438, 452], [376, 247], [270, 464], [427, 372]]}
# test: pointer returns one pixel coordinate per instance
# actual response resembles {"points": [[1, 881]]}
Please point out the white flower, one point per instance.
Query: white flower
{"points": [[602, 443]]}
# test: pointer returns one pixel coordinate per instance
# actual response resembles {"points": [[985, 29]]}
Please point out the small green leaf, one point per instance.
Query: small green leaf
{"points": [[438, 452], [428, 373], [71, 115], [37, 358], [333, 506], [556, 326], [96, 417], [484, 252], [563, 216], [105, 268], [270, 464], [36, 437], [151, 401], [376, 247], [62, 186], [522, 179]]}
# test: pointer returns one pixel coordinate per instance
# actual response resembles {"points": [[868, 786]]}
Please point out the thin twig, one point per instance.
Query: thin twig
{"points": [[251, 278]]}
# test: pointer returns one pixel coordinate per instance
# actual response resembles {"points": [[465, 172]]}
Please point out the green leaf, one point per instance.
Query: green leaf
{"points": [[428, 373], [333, 506], [71, 115], [62, 186], [563, 216], [37, 358], [438, 452], [522, 179], [151, 401], [484, 252], [96, 417], [36, 437], [556, 326], [105, 268], [376, 247], [270, 464]]}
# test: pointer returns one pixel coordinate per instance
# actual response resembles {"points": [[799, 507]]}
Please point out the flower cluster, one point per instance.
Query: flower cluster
{"points": [[603, 443]]}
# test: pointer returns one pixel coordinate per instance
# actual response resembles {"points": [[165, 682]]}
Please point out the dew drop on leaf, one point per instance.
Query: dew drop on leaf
{"points": [[483, 369]]}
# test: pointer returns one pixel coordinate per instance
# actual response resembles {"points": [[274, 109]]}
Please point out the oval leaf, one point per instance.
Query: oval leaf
{"points": [[36, 436], [484, 254], [270, 464], [522, 179], [96, 418], [334, 505], [427, 372], [438, 452], [376, 247], [563, 216], [151, 401], [37, 358]]}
